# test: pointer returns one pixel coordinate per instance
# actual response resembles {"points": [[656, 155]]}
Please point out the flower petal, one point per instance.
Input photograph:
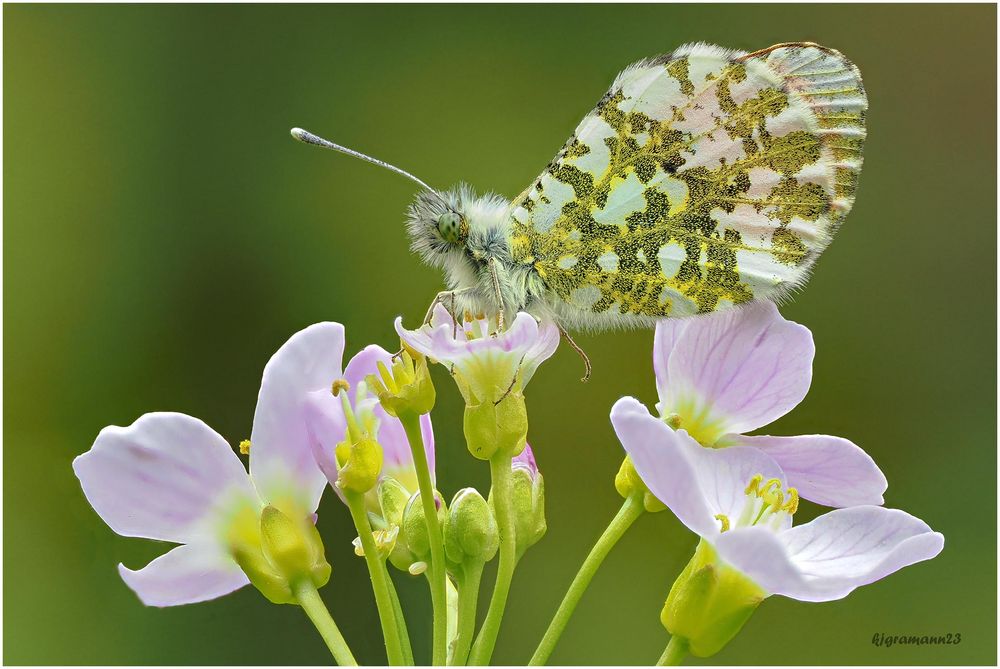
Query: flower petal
{"points": [[829, 557], [365, 362], [741, 368], [526, 459], [831, 471], [668, 331], [861, 544], [696, 483], [187, 574], [481, 358], [162, 477], [281, 457]]}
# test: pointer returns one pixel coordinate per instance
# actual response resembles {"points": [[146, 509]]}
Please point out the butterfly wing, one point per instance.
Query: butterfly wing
{"points": [[703, 179]]}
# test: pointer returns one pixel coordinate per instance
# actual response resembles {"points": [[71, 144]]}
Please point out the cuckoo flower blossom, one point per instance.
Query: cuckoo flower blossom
{"points": [[721, 375], [738, 500], [486, 365], [327, 415], [170, 477]]}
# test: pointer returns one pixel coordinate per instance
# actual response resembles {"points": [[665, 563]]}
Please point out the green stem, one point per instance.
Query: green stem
{"points": [[468, 601], [631, 509], [502, 480], [310, 601], [379, 577], [404, 634], [675, 652], [439, 594]]}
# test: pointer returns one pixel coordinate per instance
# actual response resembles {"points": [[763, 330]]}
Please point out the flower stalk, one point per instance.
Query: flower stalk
{"points": [[387, 612], [630, 510], [674, 653], [308, 598], [436, 575], [502, 478]]}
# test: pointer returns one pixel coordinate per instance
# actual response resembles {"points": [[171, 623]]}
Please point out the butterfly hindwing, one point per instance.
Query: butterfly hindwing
{"points": [[702, 179]]}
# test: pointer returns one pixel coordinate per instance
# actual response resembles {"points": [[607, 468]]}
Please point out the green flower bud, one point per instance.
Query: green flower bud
{"points": [[279, 553], [393, 498], [528, 498], [413, 533], [709, 603], [502, 427], [628, 482], [471, 535], [407, 388]]}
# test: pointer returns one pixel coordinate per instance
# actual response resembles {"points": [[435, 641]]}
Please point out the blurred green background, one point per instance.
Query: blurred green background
{"points": [[163, 236]]}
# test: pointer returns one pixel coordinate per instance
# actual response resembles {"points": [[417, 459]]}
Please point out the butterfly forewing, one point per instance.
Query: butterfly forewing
{"points": [[703, 179]]}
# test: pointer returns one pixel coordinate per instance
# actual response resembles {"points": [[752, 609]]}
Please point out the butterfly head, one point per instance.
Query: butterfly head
{"points": [[437, 225]]}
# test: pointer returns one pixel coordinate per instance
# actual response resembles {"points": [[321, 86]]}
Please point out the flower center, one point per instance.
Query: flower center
{"points": [[766, 505]]}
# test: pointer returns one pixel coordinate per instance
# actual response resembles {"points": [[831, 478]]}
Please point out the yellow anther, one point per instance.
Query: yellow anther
{"points": [[792, 505], [771, 494], [340, 385], [722, 518], [245, 447], [673, 421], [754, 485]]}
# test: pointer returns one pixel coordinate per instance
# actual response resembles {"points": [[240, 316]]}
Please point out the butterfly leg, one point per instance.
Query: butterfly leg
{"points": [[588, 368], [497, 293]]}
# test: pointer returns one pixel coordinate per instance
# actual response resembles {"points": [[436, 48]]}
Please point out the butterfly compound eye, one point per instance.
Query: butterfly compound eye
{"points": [[452, 227]]}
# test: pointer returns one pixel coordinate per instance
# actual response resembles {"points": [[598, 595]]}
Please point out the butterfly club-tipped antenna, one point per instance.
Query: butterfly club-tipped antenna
{"points": [[307, 137]]}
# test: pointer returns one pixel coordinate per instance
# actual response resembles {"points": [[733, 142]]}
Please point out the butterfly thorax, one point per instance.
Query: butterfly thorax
{"points": [[469, 237]]}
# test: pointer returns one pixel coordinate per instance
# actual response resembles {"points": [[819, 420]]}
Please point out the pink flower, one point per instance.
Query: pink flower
{"points": [[328, 425], [486, 365], [721, 375], [738, 500]]}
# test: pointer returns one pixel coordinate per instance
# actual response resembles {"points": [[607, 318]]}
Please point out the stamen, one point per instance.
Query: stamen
{"points": [[340, 385], [245, 447], [754, 484], [722, 518], [673, 421], [792, 505], [387, 379]]}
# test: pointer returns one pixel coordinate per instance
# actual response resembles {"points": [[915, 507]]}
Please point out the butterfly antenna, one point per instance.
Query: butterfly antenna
{"points": [[307, 137]]}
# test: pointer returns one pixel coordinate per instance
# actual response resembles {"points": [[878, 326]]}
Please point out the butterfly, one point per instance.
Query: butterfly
{"points": [[704, 179]]}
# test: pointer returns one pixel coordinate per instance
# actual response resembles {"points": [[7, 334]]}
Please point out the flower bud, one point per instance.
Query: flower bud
{"points": [[471, 535], [413, 533], [393, 498], [628, 482], [528, 499], [502, 427], [709, 603], [407, 388], [280, 553]]}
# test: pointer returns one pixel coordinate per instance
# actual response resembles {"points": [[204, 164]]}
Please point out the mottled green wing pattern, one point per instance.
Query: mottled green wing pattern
{"points": [[703, 179]]}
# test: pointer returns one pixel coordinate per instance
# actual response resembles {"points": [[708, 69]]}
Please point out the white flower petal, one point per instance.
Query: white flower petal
{"points": [[743, 368], [281, 454], [524, 345], [861, 544], [696, 483], [829, 557], [831, 471], [657, 455], [668, 331], [162, 477], [185, 575]]}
